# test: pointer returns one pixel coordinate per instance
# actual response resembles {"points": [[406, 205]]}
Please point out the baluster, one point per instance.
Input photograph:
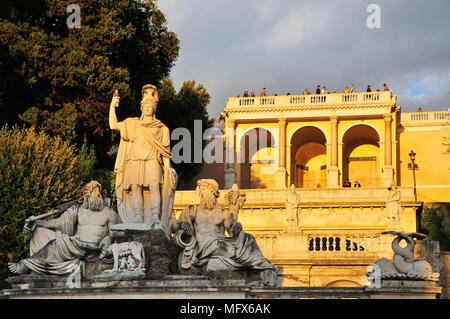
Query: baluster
{"points": [[330, 244], [317, 243], [311, 244], [324, 244], [338, 243]]}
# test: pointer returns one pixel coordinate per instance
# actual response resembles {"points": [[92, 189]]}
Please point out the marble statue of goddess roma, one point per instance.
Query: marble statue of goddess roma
{"points": [[145, 181]]}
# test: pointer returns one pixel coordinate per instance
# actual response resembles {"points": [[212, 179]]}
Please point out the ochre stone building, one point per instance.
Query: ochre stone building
{"points": [[312, 144]]}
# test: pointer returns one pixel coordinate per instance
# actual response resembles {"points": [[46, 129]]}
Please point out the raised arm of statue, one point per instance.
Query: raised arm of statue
{"points": [[113, 122]]}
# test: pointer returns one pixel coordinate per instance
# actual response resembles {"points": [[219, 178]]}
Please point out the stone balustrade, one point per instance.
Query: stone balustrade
{"points": [[347, 244], [419, 118], [313, 99], [308, 196], [325, 246]]}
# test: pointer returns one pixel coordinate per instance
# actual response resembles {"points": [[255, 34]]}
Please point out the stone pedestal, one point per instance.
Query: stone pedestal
{"points": [[281, 177], [388, 175], [333, 177]]}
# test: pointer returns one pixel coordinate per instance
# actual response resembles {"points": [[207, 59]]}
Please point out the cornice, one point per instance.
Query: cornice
{"points": [[268, 109]]}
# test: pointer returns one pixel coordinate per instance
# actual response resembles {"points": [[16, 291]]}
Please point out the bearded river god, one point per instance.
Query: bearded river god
{"points": [[206, 222], [145, 181], [82, 233]]}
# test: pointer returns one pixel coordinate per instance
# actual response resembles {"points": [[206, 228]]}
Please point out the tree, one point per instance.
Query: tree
{"points": [[37, 173], [61, 80], [180, 110], [431, 224]]}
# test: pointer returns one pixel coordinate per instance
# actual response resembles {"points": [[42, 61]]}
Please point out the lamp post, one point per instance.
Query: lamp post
{"points": [[413, 166]]}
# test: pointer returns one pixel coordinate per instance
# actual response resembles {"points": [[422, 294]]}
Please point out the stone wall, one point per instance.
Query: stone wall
{"points": [[200, 287]]}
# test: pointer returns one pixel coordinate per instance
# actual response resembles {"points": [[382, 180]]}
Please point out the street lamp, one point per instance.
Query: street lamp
{"points": [[413, 166]]}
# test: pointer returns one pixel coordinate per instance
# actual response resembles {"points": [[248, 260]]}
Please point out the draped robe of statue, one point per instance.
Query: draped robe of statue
{"points": [[139, 161]]}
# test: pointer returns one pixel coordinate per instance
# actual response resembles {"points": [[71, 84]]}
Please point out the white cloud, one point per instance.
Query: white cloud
{"points": [[294, 28]]}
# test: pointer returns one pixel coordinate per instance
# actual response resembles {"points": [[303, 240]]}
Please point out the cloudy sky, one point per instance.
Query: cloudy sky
{"points": [[290, 45]]}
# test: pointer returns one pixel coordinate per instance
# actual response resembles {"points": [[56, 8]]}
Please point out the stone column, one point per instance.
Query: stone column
{"points": [[281, 171], [333, 170], [388, 169], [282, 143], [229, 152]]}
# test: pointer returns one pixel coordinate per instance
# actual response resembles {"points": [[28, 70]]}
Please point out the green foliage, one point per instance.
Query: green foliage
{"points": [[87, 160], [37, 173], [108, 180], [181, 110], [61, 80], [431, 225]]}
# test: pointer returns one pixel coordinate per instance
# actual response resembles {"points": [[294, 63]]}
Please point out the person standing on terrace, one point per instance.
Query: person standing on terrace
{"points": [[318, 89], [347, 183], [306, 92], [385, 87], [245, 93], [324, 90], [369, 89], [346, 90], [263, 92], [352, 89]]}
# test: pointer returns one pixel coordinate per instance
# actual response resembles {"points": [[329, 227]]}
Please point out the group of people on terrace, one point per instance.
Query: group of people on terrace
{"points": [[319, 90], [252, 94], [347, 183]]}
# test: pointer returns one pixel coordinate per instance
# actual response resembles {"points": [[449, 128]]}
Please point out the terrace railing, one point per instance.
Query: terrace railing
{"points": [[313, 99]]}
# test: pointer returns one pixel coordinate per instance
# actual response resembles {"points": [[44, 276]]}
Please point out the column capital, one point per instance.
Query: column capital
{"points": [[282, 121], [387, 117], [334, 119], [231, 123]]}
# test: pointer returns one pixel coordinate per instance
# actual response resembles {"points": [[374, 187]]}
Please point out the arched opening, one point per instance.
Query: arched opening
{"points": [[257, 157], [361, 156], [308, 158]]}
